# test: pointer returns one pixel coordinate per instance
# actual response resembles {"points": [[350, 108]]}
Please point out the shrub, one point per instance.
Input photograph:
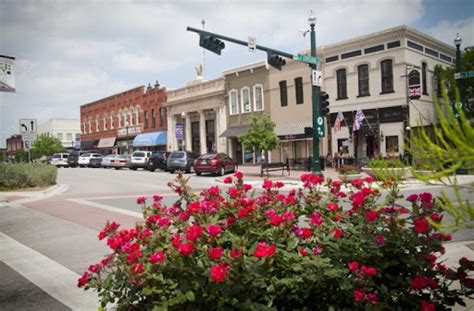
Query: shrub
{"points": [[24, 175], [349, 169], [386, 163], [234, 250]]}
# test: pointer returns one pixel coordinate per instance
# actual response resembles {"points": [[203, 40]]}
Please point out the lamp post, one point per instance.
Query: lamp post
{"points": [[316, 166], [457, 43]]}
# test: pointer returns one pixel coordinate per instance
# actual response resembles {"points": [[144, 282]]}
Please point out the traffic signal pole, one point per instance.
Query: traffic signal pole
{"points": [[316, 166]]}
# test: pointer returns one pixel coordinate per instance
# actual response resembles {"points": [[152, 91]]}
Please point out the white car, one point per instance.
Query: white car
{"points": [[84, 160], [59, 159], [139, 159], [107, 159]]}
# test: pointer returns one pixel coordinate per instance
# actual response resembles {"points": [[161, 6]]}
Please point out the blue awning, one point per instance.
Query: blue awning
{"points": [[150, 139]]}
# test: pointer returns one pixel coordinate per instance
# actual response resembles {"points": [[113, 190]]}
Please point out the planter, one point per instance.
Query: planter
{"points": [[349, 177], [424, 172], [385, 173]]}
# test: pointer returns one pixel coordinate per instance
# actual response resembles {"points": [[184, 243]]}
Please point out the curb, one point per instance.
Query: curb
{"points": [[33, 196]]}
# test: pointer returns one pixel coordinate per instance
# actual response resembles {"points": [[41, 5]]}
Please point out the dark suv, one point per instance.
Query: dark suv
{"points": [[158, 161], [73, 158], [182, 160]]}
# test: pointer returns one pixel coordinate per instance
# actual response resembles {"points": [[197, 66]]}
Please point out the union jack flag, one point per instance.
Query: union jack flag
{"points": [[359, 117], [337, 124], [414, 92]]}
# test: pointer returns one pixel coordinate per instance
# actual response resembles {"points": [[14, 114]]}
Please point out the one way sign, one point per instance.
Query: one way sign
{"points": [[27, 126]]}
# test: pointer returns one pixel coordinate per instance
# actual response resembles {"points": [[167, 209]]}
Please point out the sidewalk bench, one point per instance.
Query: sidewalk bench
{"points": [[275, 167]]}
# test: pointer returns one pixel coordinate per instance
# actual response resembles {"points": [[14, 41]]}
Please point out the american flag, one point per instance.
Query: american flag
{"points": [[359, 117], [337, 124], [414, 91]]}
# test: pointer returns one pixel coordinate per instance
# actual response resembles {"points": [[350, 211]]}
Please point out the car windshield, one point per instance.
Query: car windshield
{"points": [[138, 154], [111, 156], [123, 156], [86, 155], [177, 155], [208, 157], [56, 156]]}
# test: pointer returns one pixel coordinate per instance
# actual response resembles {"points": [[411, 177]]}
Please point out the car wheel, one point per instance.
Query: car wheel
{"points": [[133, 168], [151, 169], [198, 173], [191, 169], [222, 172]]}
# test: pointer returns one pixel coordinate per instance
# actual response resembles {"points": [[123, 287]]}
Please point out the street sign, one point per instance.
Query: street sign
{"points": [[306, 59], [316, 76], [27, 126], [320, 127], [252, 44], [464, 74]]}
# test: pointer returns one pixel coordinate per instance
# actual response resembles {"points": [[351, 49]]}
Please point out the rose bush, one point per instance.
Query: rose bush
{"points": [[312, 248]]}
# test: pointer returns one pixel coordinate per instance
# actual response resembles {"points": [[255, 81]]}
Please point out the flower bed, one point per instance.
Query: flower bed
{"points": [[230, 249]]}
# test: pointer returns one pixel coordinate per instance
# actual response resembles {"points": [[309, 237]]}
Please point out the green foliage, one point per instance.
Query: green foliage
{"points": [[25, 175], [229, 250], [261, 135], [45, 145], [450, 148], [21, 156], [385, 163], [349, 169], [2, 158]]}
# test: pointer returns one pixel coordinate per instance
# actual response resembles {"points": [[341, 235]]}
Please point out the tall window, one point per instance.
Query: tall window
{"points": [[146, 120], [105, 121], [245, 97], [161, 116], [283, 94], [85, 128], [387, 76], [137, 115], [299, 90], [423, 78], [90, 124], [69, 136], [97, 118], [233, 107], [120, 119], [258, 97], [363, 73], [153, 118], [132, 112], [341, 84], [112, 120], [60, 136]]}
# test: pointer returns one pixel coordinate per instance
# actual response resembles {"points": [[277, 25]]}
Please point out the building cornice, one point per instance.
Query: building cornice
{"points": [[196, 91], [245, 68]]}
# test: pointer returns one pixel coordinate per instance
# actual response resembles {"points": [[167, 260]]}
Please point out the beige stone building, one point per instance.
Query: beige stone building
{"points": [[247, 96], [371, 73], [197, 117]]}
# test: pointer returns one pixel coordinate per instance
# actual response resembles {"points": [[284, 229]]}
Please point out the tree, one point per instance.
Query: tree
{"points": [[45, 145], [261, 135], [449, 149], [20, 156]]}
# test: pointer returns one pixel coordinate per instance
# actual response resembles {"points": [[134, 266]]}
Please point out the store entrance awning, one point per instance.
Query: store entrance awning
{"points": [[150, 139], [88, 145], [106, 142], [236, 131]]}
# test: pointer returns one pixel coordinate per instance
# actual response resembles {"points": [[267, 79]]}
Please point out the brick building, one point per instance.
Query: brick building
{"points": [[134, 119], [14, 143]]}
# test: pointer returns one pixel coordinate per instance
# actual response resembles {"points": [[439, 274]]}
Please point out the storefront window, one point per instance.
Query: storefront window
{"points": [[391, 144], [248, 156], [343, 146]]}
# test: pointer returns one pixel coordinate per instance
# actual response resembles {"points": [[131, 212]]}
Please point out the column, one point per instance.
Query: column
{"points": [[188, 140], [217, 129], [230, 151], [202, 131]]}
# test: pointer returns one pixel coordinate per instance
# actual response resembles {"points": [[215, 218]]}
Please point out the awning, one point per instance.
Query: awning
{"points": [[235, 131], [88, 145], [150, 139], [106, 142], [292, 128]]}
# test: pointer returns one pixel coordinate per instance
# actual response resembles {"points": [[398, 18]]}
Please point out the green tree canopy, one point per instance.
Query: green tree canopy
{"points": [[45, 145], [261, 135]]}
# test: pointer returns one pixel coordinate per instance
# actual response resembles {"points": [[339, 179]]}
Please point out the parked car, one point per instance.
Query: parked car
{"points": [[73, 159], [59, 159], [106, 160], [96, 162], [181, 160], [85, 158], [217, 163], [139, 159], [158, 160], [122, 161]]}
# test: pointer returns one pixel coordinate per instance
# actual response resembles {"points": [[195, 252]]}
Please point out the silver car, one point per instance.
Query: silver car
{"points": [[107, 159], [122, 161]]}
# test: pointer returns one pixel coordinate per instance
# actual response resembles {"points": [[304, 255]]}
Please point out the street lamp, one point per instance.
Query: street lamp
{"points": [[457, 43], [316, 166]]}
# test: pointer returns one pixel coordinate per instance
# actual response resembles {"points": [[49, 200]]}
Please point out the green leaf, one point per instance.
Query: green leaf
{"points": [[190, 296]]}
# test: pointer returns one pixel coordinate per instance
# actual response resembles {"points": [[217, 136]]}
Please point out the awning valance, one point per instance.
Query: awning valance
{"points": [[150, 139], [292, 128], [88, 145], [235, 131], [106, 142]]}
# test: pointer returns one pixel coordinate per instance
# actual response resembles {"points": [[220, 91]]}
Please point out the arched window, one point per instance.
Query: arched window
{"points": [[131, 115], [84, 131], [258, 97], [423, 79], [341, 84], [245, 98], [233, 105], [90, 124], [105, 121], [363, 76], [161, 116], [146, 120], [125, 117], [137, 115], [97, 120], [120, 119], [387, 76], [153, 118]]}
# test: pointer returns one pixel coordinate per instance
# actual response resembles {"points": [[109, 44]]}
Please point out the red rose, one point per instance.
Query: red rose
{"points": [[247, 187], [84, 279], [267, 184], [94, 268], [373, 298], [303, 233], [366, 191], [336, 184], [234, 253], [426, 306], [218, 273], [379, 239], [368, 271], [371, 216], [303, 252], [193, 233], [279, 184], [227, 180], [353, 266], [357, 183], [141, 200], [186, 249], [157, 198], [337, 233], [276, 220], [157, 257], [176, 240], [183, 216], [358, 200], [332, 206], [214, 230], [412, 198], [137, 268], [421, 225], [215, 253], [369, 179], [239, 175], [419, 282], [359, 295], [193, 207], [316, 219], [263, 251]]}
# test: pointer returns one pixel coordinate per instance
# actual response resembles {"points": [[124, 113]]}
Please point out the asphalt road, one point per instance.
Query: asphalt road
{"points": [[46, 245]]}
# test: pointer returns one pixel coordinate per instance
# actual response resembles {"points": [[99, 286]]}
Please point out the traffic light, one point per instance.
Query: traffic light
{"points": [[212, 44], [324, 104], [275, 60], [308, 131]]}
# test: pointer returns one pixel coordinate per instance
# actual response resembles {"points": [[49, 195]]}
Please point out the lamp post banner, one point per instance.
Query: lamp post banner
{"points": [[7, 78], [179, 131]]}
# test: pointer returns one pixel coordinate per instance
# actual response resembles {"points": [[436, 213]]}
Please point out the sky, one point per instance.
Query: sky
{"points": [[69, 53]]}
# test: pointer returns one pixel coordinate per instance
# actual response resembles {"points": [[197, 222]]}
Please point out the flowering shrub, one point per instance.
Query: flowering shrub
{"points": [[312, 248], [349, 169]]}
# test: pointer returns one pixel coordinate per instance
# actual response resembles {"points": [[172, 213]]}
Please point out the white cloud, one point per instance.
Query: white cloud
{"points": [[446, 31]]}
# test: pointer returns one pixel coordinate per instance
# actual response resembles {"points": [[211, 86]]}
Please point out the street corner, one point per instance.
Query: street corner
{"points": [[20, 197]]}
